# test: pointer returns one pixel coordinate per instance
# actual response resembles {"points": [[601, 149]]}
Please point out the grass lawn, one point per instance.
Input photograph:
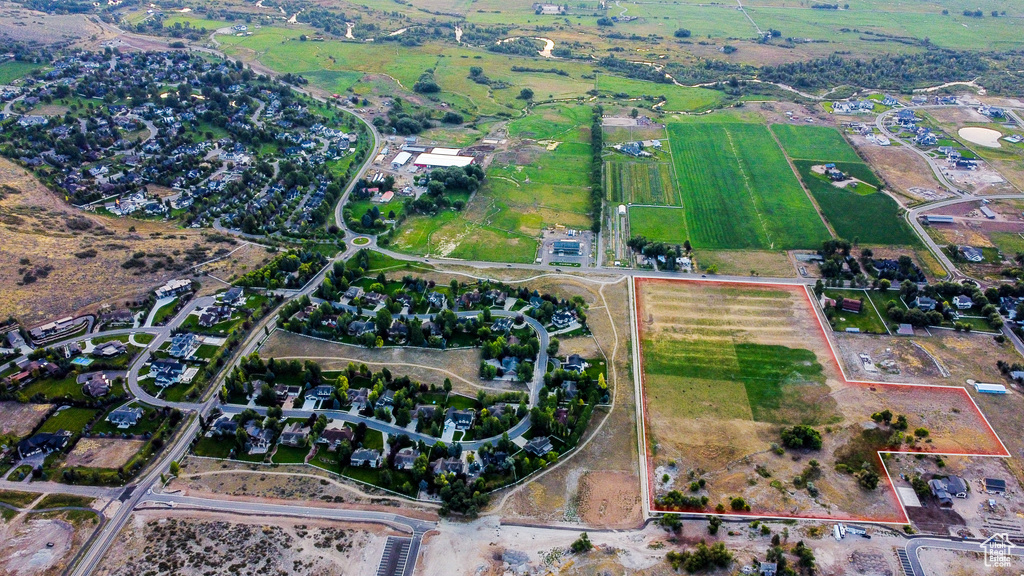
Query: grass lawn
{"points": [[868, 321], [142, 338], [12, 70], [1008, 243], [460, 402], [820, 143], [67, 387], [738, 190], [214, 447], [374, 440], [73, 420], [164, 312], [149, 422], [19, 499], [290, 454]]}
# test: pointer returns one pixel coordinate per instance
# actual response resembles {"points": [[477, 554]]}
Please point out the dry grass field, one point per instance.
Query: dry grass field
{"points": [[900, 169], [102, 452], [208, 543], [20, 419], [76, 257], [726, 366], [30, 26]]}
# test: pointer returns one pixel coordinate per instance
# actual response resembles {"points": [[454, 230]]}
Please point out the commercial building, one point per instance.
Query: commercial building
{"points": [[433, 160]]}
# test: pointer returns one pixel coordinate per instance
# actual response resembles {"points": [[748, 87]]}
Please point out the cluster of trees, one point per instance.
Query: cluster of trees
{"points": [[652, 249], [443, 182], [634, 70], [702, 558], [289, 270], [517, 46], [426, 83], [557, 71], [895, 72], [596, 165], [800, 437]]}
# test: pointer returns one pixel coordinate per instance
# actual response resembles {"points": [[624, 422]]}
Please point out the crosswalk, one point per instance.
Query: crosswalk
{"points": [[908, 568], [395, 557]]}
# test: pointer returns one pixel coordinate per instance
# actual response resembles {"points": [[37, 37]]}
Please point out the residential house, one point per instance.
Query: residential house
{"points": [[539, 446], [424, 411], [353, 292], [260, 439], [398, 331], [502, 325], [570, 389], [963, 302], [925, 303], [214, 315], [125, 417], [437, 300], [359, 397], [938, 488], [225, 426], [94, 384], [575, 363], [536, 302], [497, 297], [173, 288], [767, 568], [374, 299], [470, 299], [851, 305], [333, 437], [109, 349], [360, 327], [448, 466], [166, 372], [971, 254], [366, 457], [406, 458], [563, 319], [43, 443], [322, 392], [235, 296], [386, 400], [184, 345], [461, 419], [510, 364], [294, 434]]}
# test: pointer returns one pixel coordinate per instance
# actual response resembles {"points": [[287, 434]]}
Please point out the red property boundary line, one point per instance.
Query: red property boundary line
{"points": [[904, 518]]}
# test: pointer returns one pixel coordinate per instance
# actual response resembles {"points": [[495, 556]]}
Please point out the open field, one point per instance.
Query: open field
{"points": [[42, 544], [83, 266], [71, 419], [870, 219], [737, 190], [724, 366], [20, 419], [102, 452], [184, 541], [814, 143]]}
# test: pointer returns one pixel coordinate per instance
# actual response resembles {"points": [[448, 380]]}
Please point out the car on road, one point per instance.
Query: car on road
{"points": [[703, 275]]}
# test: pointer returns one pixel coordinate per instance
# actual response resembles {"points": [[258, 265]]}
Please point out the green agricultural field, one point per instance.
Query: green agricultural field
{"points": [[641, 182], [870, 219], [738, 190], [10, 71], [814, 143], [1008, 243], [73, 420], [665, 224]]}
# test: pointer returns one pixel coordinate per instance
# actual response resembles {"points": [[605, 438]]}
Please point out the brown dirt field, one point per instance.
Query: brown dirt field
{"points": [[598, 484], [741, 262], [585, 346], [287, 484], [957, 116], [102, 452], [181, 542], [951, 563], [900, 168], [728, 448], [35, 225], [424, 365], [20, 419], [23, 544]]}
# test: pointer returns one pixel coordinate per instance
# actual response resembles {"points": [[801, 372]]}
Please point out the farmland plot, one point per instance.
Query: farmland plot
{"points": [[642, 183], [814, 143], [738, 190]]}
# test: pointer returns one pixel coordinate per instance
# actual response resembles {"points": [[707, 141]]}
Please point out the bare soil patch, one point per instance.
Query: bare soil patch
{"points": [[102, 452], [24, 544], [75, 257], [20, 419], [207, 543], [952, 563], [901, 169]]}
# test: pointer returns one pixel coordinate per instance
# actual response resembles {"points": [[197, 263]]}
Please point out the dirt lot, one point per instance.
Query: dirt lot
{"points": [[76, 257], [102, 452], [597, 485], [24, 543], [709, 430], [901, 170], [20, 419], [951, 563], [286, 483], [206, 543]]}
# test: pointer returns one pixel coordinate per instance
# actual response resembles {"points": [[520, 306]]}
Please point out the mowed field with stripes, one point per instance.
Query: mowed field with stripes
{"points": [[736, 190]]}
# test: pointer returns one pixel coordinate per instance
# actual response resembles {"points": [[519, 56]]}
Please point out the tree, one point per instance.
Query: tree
{"points": [[582, 544], [801, 436], [713, 524], [175, 468], [526, 94], [884, 284], [681, 33]]}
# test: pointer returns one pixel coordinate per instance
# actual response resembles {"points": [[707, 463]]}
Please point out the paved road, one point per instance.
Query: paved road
{"points": [[915, 546], [936, 170]]}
